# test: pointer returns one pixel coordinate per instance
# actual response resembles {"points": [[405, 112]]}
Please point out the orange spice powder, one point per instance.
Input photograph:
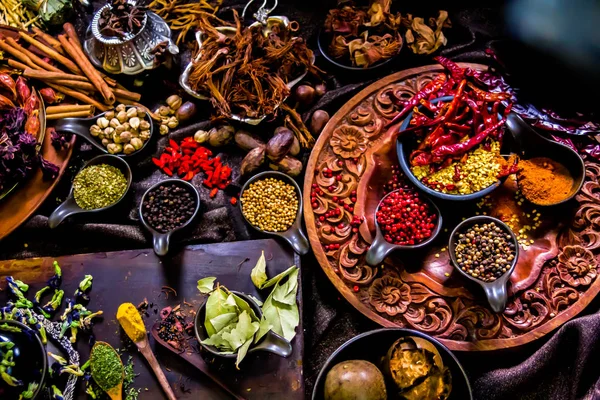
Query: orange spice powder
{"points": [[544, 181]]}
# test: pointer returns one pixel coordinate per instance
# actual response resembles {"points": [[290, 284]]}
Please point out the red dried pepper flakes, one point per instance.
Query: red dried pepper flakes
{"points": [[187, 158]]}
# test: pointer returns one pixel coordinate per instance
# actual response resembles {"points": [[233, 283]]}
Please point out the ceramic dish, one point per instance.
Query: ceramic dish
{"points": [[373, 345]]}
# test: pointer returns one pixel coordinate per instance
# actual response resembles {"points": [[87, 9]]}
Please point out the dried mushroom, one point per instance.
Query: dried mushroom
{"points": [[417, 370]]}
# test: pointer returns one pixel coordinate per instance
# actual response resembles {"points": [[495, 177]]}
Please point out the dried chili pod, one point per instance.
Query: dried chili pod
{"points": [[32, 126], [32, 103], [50, 96], [23, 90], [8, 83], [5, 103]]}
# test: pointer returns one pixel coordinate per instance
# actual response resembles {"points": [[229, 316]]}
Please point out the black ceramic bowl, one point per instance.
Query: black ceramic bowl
{"points": [[161, 241], [30, 359], [405, 146], [494, 291], [69, 206], [373, 346]]}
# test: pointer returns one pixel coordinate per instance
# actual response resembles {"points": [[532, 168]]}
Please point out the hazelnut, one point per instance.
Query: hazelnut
{"points": [[163, 130], [144, 125], [95, 130], [132, 112], [114, 122], [128, 148], [102, 122], [125, 137], [122, 116], [174, 102], [120, 107], [114, 148], [105, 142], [137, 143], [109, 115], [173, 122], [134, 123]]}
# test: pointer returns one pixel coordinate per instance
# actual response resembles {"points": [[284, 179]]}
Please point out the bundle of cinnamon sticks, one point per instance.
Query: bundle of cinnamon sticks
{"points": [[78, 78]]}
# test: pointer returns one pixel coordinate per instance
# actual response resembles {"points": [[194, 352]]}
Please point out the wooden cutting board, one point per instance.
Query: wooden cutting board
{"points": [[132, 275]]}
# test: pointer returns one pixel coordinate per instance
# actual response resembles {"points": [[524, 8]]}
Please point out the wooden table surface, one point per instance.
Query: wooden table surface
{"points": [[131, 276]]}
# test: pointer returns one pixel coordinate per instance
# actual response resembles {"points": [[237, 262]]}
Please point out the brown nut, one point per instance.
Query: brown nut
{"points": [[114, 123], [121, 116], [279, 145], [220, 136], [114, 148], [254, 159], [174, 102], [102, 122], [201, 136], [288, 165], [109, 115], [134, 123], [106, 142], [144, 125], [295, 149], [247, 141], [125, 137], [320, 89], [172, 123], [318, 121], [186, 111], [163, 111]]}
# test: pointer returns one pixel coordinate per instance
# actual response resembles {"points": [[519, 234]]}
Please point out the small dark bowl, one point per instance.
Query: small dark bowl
{"points": [[160, 241], [373, 346], [30, 359], [494, 291], [404, 147], [294, 235], [380, 248], [69, 206], [271, 342], [81, 128], [323, 41]]}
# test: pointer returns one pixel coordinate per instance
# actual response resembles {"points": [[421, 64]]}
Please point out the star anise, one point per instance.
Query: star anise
{"points": [[121, 19]]}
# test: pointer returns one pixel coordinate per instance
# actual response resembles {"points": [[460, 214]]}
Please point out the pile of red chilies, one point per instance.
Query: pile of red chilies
{"points": [[188, 158], [472, 113]]}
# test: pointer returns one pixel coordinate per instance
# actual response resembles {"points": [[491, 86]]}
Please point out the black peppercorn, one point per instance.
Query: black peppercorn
{"points": [[168, 207]]}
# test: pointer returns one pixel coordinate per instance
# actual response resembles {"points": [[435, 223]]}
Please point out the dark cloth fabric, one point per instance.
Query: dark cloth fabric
{"points": [[560, 366]]}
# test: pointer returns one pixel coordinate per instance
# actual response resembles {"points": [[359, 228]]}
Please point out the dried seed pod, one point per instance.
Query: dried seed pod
{"points": [[173, 123], [247, 141], [305, 94], [23, 90], [128, 148], [221, 136], [32, 103], [318, 121], [254, 159], [105, 142], [295, 149], [95, 130], [279, 145], [131, 113], [116, 138], [102, 122], [288, 165], [145, 135], [144, 125], [114, 148], [50, 96], [120, 128], [201, 136], [186, 111], [125, 137], [163, 111], [114, 123], [109, 131], [32, 126], [8, 83], [174, 101]]}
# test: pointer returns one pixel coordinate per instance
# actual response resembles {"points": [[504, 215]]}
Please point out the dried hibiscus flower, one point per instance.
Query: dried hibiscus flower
{"points": [[426, 38]]}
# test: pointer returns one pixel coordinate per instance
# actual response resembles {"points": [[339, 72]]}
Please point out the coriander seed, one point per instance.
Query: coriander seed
{"points": [[270, 205]]}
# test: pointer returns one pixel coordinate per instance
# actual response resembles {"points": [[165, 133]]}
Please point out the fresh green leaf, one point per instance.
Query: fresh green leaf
{"points": [[206, 285], [258, 274], [242, 351], [215, 306], [243, 331], [280, 315]]}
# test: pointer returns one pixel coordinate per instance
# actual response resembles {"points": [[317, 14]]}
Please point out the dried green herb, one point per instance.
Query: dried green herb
{"points": [[98, 186], [106, 367]]}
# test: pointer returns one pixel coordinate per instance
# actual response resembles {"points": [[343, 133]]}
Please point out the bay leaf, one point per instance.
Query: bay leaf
{"points": [[243, 331], [244, 306], [282, 316], [221, 321], [216, 304], [242, 351], [278, 277], [258, 273], [206, 285]]}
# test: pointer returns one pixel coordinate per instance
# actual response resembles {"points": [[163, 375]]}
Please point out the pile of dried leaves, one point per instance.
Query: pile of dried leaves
{"points": [[246, 72]]}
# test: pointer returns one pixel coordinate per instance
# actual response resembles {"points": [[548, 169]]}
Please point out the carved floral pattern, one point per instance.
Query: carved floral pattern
{"points": [[561, 283], [577, 266]]}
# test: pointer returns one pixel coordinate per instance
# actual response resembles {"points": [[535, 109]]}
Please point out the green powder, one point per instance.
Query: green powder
{"points": [[98, 186], [106, 366]]}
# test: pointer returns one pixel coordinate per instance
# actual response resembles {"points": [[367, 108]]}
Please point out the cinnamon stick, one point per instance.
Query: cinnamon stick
{"points": [[85, 85], [69, 108], [52, 76], [49, 39], [72, 114], [18, 65], [34, 58], [50, 52], [79, 96], [88, 69], [17, 54], [72, 34]]}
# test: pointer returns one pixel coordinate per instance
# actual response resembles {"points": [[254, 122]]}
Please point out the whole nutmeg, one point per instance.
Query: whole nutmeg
{"points": [[125, 137], [105, 142], [144, 125], [163, 130], [201, 136], [114, 148], [128, 148], [120, 107], [145, 135], [137, 143], [318, 121], [279, 145], [114, 123], [95, 130], [173, 123], [134, 122], [163, 111], [122, 116], [220, 136], [305, 94], [102, 122], [186, 111], [174, 102], [254, 159], [320, 89], [109, 115], [131, 112], [295, 149], [246, 140], [288, 165]]}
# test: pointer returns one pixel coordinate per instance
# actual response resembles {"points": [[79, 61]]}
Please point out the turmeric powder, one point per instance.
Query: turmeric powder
{"points": [[544, 181], [131, 321]]}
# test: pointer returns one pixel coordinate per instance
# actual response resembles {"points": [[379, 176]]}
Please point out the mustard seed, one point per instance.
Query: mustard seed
{"points": [[270, 204]]}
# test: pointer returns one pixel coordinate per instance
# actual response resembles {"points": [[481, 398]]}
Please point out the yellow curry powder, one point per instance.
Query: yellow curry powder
{"points": [[131, 321]]}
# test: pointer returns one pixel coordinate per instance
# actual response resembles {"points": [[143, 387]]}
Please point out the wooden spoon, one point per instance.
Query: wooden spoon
{"points": [[143, 345], [115, 392]]}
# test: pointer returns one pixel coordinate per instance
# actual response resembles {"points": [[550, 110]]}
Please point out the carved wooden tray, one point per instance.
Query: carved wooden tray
{"points": [[555, 277]]}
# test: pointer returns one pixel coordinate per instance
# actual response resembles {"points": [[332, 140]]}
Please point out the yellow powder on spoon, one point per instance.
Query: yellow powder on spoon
{"points": [[131, 321]]}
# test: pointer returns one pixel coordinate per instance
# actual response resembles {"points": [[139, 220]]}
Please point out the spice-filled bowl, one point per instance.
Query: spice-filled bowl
{"points": [[100, 185], [21, 345], [166, 209], [270, 342], [485, 250], [271, 202], [472, 179], [404, 220], [550, 173], [124, 131]]}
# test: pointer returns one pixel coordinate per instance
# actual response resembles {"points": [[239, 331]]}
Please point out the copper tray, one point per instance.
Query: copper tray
{"points": [[555, 277]]}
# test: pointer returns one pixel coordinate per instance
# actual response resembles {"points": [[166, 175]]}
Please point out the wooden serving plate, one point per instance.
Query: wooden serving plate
{"points": [[553, 281]]}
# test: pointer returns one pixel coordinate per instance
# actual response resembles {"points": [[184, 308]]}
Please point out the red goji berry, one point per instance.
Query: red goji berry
{"points": [[168, 171], [213, 193], [157, 162], [233, 201], [173, 144], [188, 176]]}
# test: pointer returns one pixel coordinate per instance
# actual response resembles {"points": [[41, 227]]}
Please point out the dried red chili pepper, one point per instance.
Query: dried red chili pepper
{"points": [[429, 89], [462, 147], [488, 96]]}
